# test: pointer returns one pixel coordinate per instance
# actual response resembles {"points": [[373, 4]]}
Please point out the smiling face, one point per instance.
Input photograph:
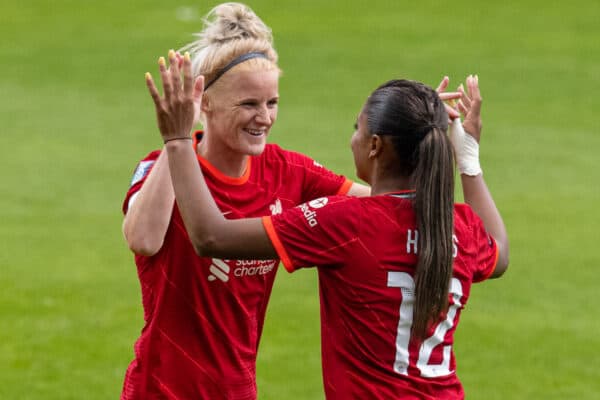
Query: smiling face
{"points": [[240, 110]]}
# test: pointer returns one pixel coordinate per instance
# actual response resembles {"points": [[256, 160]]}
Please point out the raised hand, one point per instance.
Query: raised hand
{"points": [[448, 96], [465, 137], [176, 109], [470, 106]]}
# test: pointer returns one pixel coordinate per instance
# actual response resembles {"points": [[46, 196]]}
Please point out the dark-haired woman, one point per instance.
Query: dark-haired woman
{"points": [[396, 268]]}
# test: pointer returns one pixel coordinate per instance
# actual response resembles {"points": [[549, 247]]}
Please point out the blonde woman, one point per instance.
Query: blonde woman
{"points": [[204, 315]]}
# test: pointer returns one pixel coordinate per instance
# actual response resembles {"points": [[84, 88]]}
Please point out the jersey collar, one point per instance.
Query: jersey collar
{"points": [[402, 194], [215, 172]]}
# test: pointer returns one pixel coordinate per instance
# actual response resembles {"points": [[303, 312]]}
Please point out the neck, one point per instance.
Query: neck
{"points": [[224, 159], [383, 184]]}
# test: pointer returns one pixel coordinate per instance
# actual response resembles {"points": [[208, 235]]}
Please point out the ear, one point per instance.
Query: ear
{"points": [[376, 146], [205, 104], [198, 88]]}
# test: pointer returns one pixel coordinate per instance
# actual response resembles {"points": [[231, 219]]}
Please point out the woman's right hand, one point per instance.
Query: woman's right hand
{"points": [[175, 110], [470, 106]]}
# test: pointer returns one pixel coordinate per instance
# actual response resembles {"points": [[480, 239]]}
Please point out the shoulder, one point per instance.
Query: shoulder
{"points": [[467, 223], [272, 150], [340, 210], [338, 201], [463, 213], [368, 203], [331, 208], [292, 161], [275, 151], [272, 157]]}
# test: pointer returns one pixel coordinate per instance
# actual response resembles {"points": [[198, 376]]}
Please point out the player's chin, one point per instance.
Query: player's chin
{"points": [[256, 147]]}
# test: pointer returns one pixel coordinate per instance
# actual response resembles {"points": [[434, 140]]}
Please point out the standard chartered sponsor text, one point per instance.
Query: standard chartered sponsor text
{"points": [[253, 267]]}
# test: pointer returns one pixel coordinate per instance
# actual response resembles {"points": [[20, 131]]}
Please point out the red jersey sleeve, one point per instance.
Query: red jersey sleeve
{"points": [[317, 180], [314, 233], [484, 246], [141, 172]]}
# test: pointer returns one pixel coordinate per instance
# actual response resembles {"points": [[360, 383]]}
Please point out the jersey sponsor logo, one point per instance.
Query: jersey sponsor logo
{"points": [[276, 207], [318, 203], [141, 171], [253, 267], [308, 210], [219, 269], [223, 269]]}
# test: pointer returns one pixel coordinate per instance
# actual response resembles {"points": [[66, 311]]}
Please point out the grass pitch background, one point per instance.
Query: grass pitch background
{"points": [[76, 117]]}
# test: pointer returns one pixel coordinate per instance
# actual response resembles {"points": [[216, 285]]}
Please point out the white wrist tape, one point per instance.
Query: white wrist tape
{"points": [[466, 149]]}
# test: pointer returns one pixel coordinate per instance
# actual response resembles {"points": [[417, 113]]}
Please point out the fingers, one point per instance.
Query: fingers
{"points": [[165, 77], [188, 80], [461, 107], [452, 113], [443, 84], [450, 95], [465, 99], [473, 87], [171, 80], [171, 77], [152, 89], [175, 74], [179, 58], [469, 100]]}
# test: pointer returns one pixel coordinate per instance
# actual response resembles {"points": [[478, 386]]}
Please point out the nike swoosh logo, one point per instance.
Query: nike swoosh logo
{"points": [[227, 212]]}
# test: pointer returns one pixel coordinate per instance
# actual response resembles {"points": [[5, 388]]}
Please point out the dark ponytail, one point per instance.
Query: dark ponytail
{"points": [[434, 206], [414, 117]]}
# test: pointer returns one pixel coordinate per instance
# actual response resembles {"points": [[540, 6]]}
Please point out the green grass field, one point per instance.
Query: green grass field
{"points": [[76, 118]]}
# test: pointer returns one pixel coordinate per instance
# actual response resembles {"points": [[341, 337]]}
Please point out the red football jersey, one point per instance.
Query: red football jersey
{"points": [[203, 316], [366, 251]]}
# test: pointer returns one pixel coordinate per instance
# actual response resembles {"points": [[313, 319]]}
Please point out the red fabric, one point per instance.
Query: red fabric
{"points": [[366, 262], [204, 317]]}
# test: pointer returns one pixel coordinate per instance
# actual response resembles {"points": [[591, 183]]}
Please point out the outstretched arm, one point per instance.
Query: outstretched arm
{"points": [[210, 233], [475, 190]]}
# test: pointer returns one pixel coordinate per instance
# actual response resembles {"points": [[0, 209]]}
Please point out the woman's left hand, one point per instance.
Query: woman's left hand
{"points": [[175, 109], [448, 96]]}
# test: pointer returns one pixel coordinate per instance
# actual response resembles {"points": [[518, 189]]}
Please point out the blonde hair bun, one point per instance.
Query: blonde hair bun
{"points": [[233, 21], [230, 30]]}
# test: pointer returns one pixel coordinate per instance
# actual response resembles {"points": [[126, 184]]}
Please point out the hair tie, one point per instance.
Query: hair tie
{"points": [[426, 129], [238, 60]]}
